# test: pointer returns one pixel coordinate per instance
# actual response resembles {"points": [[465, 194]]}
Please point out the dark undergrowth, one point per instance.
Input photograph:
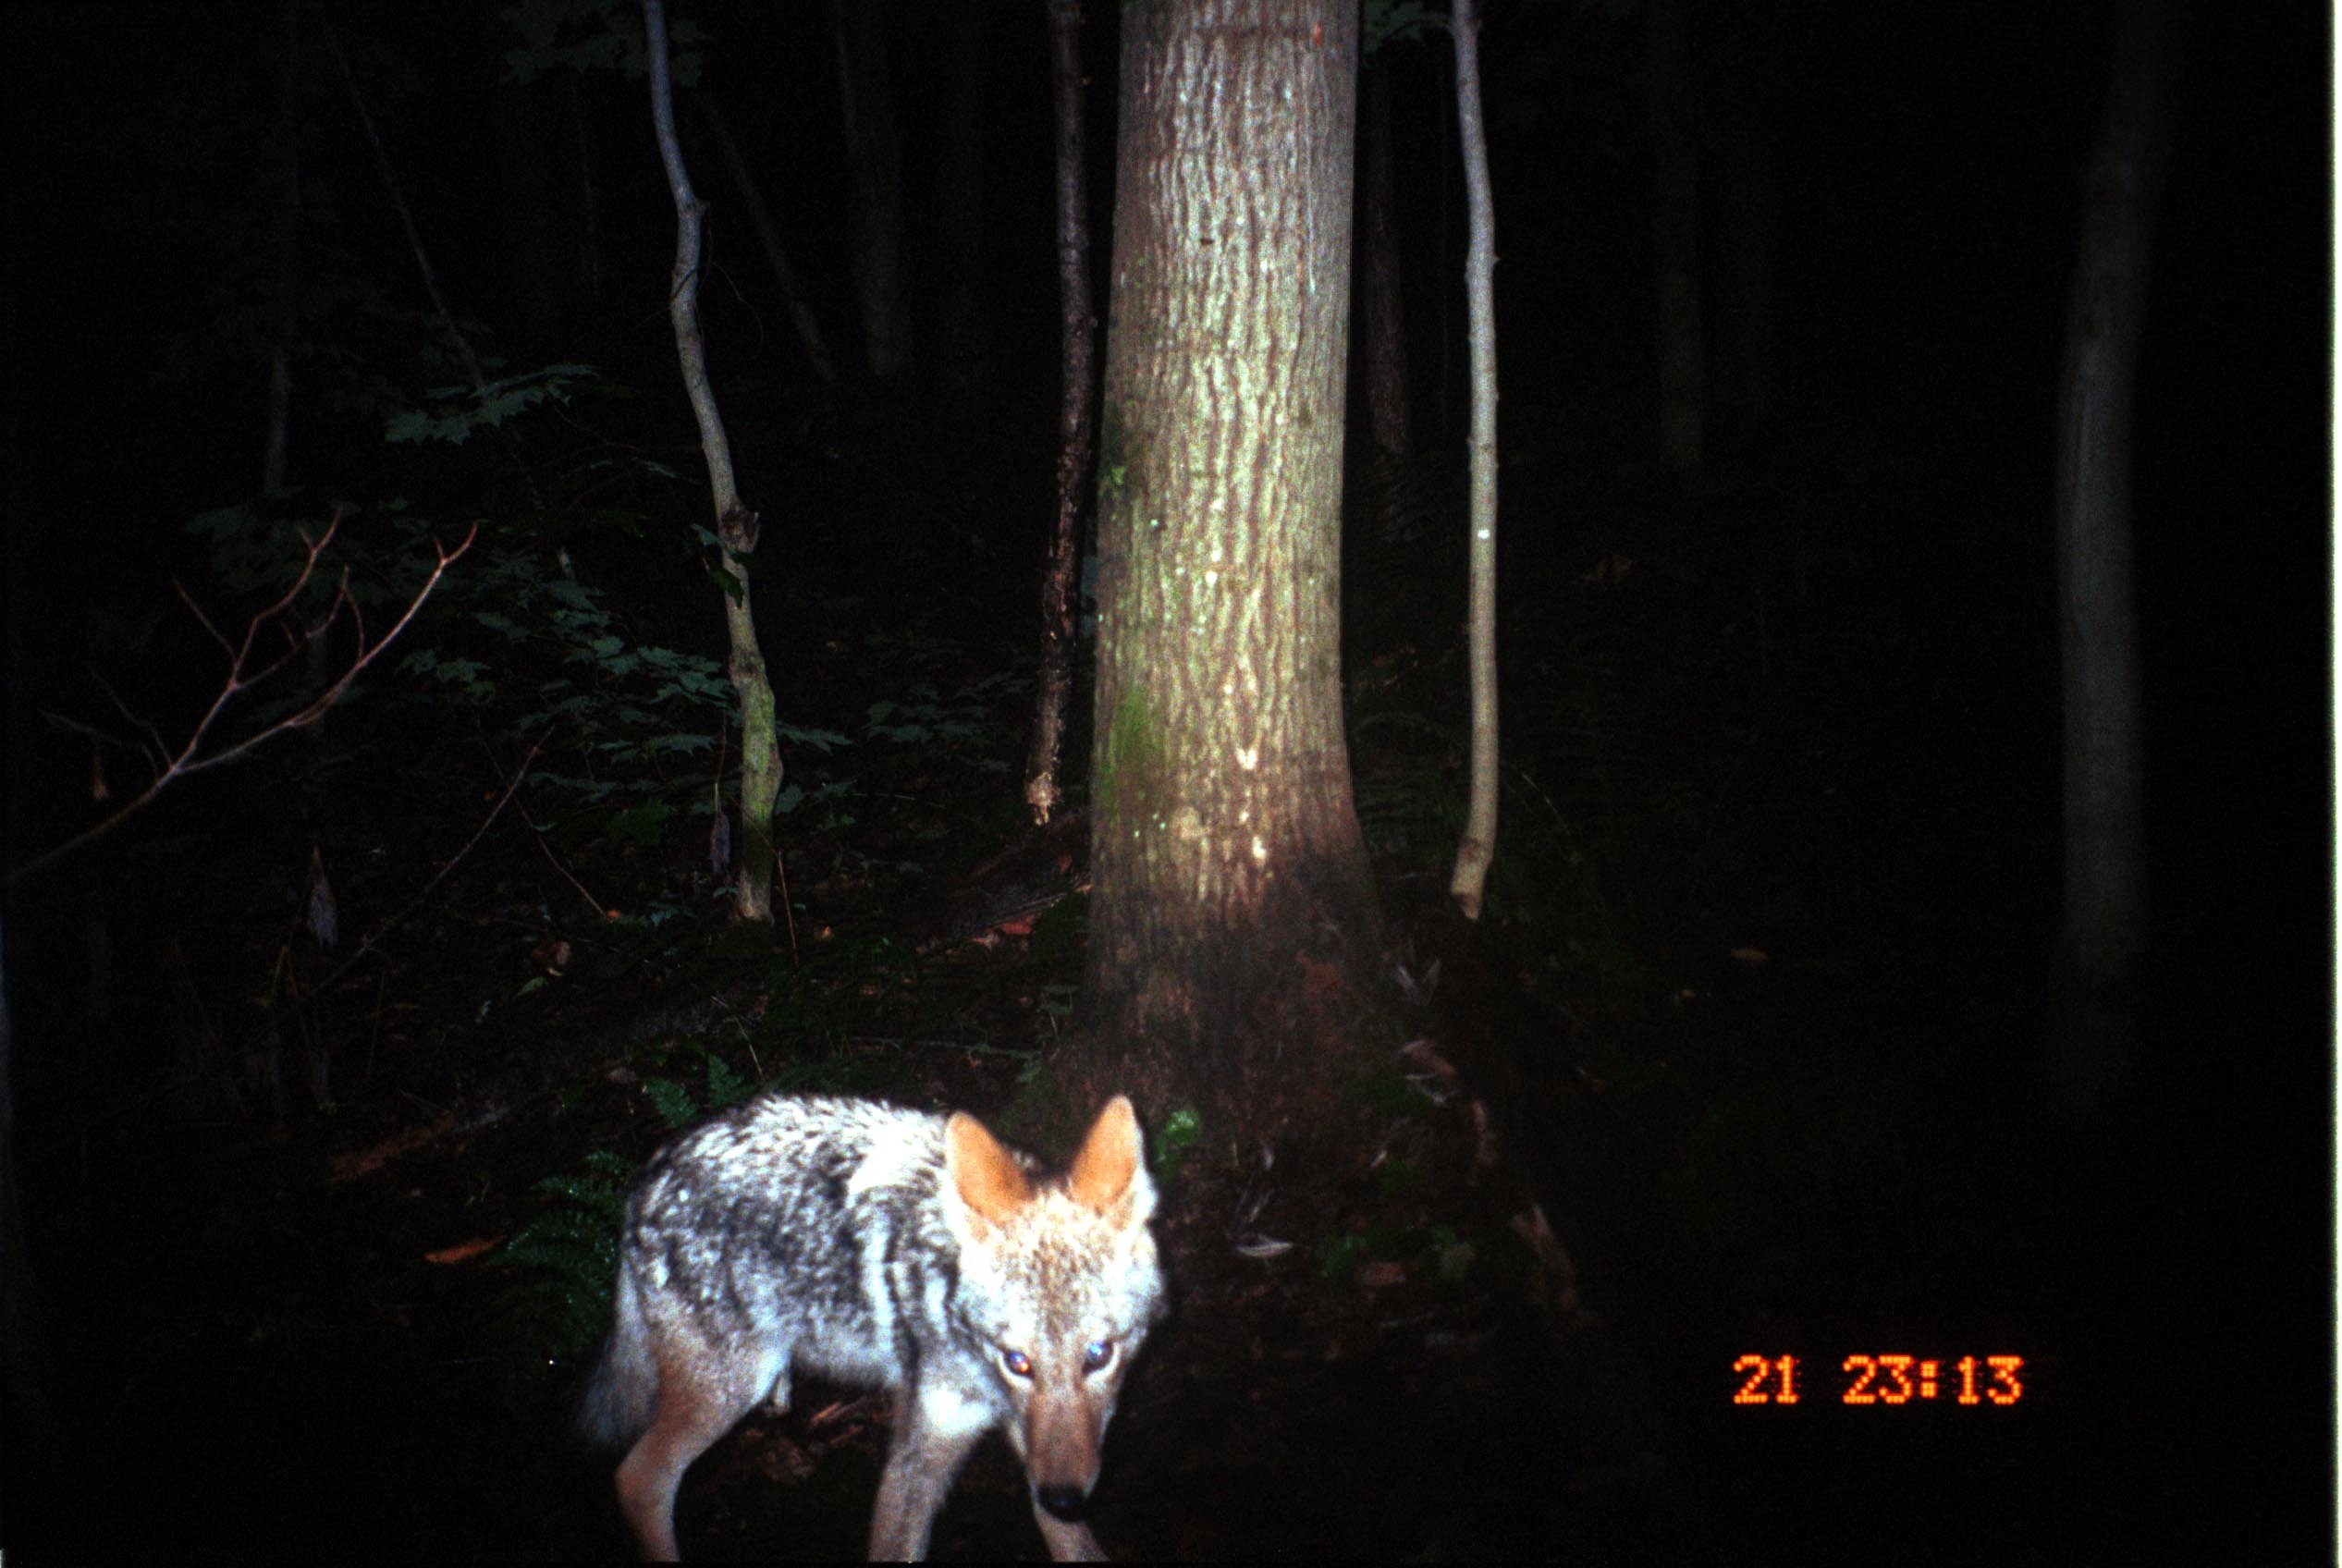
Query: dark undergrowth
{"points": [[322, 1230]]}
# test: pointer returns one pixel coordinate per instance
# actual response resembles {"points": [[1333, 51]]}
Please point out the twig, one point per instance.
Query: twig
{"points": [[781, 865], [538, 834], [190, 759]]}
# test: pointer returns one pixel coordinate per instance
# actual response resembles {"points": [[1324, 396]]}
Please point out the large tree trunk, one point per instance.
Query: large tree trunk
{"points": [[1233, 906], [2103, 932]]}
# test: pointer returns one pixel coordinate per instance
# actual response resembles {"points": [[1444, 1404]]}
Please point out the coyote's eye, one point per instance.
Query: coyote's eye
{"points": [[1019, 1363], [1095, 1355]]}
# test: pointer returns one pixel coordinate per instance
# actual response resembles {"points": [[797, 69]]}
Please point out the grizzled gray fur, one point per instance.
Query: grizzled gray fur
{"points": [[880, 1247]]}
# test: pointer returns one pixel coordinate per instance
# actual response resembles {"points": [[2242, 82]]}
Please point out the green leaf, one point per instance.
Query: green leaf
{"points": [[672, 1101]]}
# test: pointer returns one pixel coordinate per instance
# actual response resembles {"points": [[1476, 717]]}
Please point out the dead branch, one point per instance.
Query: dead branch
{"points": [[191, 757]]}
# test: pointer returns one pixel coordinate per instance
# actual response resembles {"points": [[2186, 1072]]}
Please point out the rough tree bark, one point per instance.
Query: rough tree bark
{"points": [[1078, 348], [2103, 932], [760, 765], [1232, 913]]}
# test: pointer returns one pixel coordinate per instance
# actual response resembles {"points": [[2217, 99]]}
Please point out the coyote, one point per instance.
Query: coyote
{"points": [[885, 1247]]}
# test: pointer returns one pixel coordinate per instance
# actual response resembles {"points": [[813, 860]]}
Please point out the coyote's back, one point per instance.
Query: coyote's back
{"points": [[885, 1247]]}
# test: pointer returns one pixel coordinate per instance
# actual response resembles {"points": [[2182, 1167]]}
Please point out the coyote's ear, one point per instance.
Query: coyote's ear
{"points": [[1107, 1169], [982, 1170]]}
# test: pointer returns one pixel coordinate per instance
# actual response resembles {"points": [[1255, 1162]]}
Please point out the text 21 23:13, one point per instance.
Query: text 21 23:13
{"points": [[1987, 1381]]}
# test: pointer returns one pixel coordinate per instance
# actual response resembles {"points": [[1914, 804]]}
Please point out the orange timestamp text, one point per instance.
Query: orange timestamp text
{"points": [[1983, 1380]]}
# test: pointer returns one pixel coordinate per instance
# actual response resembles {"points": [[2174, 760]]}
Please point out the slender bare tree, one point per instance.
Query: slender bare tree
{"points": [[1470, 885], [2103, 932], [1077, 337], [736, 530]]}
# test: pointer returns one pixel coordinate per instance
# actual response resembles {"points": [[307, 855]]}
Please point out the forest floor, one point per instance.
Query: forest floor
{"points": [[1767, 1001], [313, 1349]]}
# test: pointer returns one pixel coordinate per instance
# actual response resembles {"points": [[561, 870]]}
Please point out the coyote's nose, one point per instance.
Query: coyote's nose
{"points": [[1067, 1502]]}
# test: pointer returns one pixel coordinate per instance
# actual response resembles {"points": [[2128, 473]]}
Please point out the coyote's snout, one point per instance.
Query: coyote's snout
{"points": [[879, 1246]]}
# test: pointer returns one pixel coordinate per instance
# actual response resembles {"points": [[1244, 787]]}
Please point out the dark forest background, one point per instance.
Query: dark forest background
{"points": [[1805, 709]]}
